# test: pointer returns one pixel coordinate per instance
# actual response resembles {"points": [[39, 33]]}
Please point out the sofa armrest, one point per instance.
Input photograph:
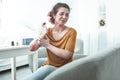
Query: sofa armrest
{"points": [[69, 71]]}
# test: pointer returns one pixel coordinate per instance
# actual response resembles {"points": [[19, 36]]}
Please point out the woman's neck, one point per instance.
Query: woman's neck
{"points": [[59, 28]]}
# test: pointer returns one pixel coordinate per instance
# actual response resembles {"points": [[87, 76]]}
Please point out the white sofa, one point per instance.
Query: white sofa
{"points": [[104, 65]]}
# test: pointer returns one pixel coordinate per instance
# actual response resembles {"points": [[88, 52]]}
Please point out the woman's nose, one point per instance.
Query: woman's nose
{"points": [[64, 16]]}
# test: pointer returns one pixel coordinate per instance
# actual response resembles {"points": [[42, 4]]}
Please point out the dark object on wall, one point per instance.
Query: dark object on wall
{"points": [[102, 22]]}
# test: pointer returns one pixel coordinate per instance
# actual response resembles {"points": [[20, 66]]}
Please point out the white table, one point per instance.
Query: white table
{"points": [[15, 51]]}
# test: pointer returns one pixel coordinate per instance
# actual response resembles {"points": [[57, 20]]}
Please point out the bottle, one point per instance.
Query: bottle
{"points": [[12, 43]]}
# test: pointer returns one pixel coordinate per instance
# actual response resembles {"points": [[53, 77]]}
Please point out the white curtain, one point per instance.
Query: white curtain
{"points": [[0, 12], [113, 21], [87, 24]]}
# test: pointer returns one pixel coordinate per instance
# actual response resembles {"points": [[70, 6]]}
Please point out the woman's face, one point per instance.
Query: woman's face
{"points": [[62, 16]]}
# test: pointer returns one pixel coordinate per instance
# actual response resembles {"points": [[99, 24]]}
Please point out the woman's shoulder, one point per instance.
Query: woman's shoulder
{"points": [[72, 30], [49, 29]]}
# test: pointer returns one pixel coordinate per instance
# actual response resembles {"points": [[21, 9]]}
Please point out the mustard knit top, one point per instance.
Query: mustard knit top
{"points": [[67, 42]]}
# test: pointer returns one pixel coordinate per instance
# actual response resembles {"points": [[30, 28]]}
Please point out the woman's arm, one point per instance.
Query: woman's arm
{"points": [[57, 51], [34, 45]]}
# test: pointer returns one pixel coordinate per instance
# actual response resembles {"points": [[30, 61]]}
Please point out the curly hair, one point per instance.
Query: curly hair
{"points": [[55, 10]]}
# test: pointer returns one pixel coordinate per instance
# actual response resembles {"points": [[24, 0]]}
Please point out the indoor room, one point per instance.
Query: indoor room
{"points": [[95, 21]]}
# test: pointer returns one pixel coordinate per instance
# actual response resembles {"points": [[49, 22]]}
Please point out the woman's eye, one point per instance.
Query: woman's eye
{"points": [[67, 15], [61, 14]]}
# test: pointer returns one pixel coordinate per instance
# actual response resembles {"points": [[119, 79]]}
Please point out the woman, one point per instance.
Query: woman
{"points": [[59, 42]]}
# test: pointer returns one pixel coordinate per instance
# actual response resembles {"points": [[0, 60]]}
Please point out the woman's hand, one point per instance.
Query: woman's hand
{"points": [[44, 41], [41, 40]]}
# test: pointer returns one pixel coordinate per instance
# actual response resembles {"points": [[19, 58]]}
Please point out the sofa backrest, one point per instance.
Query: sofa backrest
{"points": [[79, 46], [104, 65]]}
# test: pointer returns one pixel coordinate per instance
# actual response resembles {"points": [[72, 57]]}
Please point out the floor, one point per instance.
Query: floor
{"points": [[21, 73]]}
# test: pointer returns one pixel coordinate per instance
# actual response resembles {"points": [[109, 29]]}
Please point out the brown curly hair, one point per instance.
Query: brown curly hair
{"points": [[55, 10]]}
